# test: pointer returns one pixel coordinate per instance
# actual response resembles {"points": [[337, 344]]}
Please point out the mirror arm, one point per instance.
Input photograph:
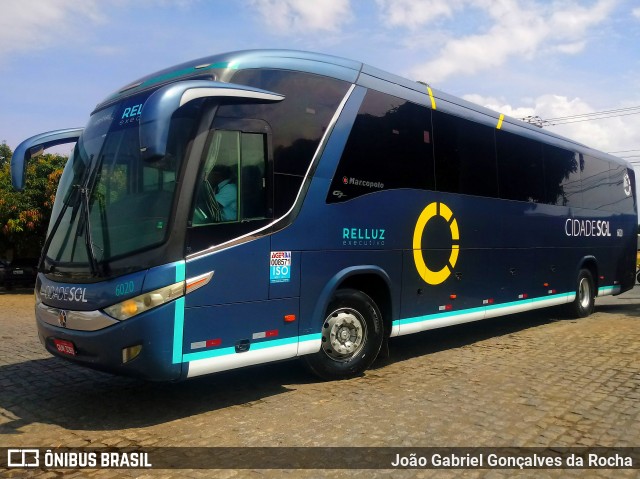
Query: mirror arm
{"points": [[34, 146]]}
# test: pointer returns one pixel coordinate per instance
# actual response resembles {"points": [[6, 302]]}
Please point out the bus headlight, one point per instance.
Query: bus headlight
{"points": [[134, 306]]}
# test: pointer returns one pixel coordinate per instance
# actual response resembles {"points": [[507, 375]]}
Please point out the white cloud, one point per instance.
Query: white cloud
{"points": [[33, 24], [413, 13], [571, 48], [303, 16], [611, 134], [636, 12], [498, 105], [519, 29]]}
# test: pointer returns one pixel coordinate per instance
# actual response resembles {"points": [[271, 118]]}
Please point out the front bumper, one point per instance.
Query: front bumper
{"points": [[99, 340]]}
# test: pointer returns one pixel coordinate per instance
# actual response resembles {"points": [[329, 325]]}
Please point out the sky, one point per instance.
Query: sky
{"points": [[59, 58]]}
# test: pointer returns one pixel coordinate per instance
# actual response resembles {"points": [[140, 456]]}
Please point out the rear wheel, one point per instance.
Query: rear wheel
{"points": [[352, 335], [584, 303]]}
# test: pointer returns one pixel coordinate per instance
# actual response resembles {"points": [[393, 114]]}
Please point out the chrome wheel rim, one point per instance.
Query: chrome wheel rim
{"points": [[343, 334], [584, 293]]}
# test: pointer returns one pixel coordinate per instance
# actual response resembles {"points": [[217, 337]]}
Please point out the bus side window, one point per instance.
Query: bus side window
{"points": [[389, 147], [297, 124], [596, 189], [253, 191], [621, 190], [217, 197], [465, 156], [520, 168], [562, 177], [233, 185]]}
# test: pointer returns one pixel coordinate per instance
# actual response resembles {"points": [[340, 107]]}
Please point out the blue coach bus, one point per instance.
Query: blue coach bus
{"points": [[262, 205]]}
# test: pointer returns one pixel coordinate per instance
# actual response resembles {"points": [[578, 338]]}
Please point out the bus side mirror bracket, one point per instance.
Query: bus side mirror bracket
{"points": [[34, 146], [160, 106]]}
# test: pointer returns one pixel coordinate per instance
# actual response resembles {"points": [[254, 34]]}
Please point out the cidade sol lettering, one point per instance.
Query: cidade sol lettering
{"points": [[61, 293], [574, 227]]}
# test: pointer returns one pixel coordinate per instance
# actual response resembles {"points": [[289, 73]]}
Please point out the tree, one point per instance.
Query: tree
{"points": [[5, 154], [24, 216]]}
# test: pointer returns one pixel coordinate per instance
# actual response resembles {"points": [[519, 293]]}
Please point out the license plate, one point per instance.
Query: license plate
{"points": [[65, 347], [18, 271]]}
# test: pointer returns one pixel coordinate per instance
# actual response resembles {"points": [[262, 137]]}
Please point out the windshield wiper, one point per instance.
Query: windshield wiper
{"points": [[84, 222], [84, 206], [88, 241], [52, 233]]}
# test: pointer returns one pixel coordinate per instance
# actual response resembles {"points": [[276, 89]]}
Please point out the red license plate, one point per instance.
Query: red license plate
{"points": [[65, 347]]}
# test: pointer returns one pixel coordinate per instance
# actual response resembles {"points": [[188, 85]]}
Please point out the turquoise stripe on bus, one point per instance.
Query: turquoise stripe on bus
{"points": [[178, 318], [488, 307], [606, 290], [254, 347]]}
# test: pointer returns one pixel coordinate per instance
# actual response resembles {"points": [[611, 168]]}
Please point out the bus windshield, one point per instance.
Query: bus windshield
{"points": [[110, 203]]}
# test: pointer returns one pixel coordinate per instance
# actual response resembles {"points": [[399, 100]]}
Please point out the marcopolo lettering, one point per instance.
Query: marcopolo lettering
{"points": [[367, 184], [574, 227]]}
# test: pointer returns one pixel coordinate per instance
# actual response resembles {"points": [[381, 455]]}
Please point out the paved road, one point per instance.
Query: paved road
{"points": [[525, 380]]}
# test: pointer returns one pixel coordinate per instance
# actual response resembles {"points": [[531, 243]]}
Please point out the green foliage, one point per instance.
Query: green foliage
{"points": [[5, 154], [24, 216]]}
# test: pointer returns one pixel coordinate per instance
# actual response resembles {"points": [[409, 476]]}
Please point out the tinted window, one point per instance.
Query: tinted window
{"points": [[233, 183], [253, 177], [465, 156], [621, 194], [234, 193], [562, 177], [297, 123], [595, 183], [389, 147], [520, 169]]}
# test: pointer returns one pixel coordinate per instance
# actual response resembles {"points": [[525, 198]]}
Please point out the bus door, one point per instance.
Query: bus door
{"points": [[230, 321]]}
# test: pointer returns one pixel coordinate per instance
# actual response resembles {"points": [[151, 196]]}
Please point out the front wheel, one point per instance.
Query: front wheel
{"points": [[584, 303], [352, 334]]}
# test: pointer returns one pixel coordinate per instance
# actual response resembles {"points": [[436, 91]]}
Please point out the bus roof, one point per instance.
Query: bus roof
{"points": [[221, 67]]}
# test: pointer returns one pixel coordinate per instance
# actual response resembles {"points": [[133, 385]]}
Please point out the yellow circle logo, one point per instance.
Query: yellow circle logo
{"points": [[432, 210]]}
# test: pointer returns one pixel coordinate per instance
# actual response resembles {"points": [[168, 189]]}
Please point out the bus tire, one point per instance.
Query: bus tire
{"points": [[352, 335], [583, 305]]}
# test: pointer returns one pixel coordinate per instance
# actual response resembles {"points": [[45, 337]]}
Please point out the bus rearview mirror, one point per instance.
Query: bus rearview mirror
{"points": [[155, 118], [35, 146]]}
